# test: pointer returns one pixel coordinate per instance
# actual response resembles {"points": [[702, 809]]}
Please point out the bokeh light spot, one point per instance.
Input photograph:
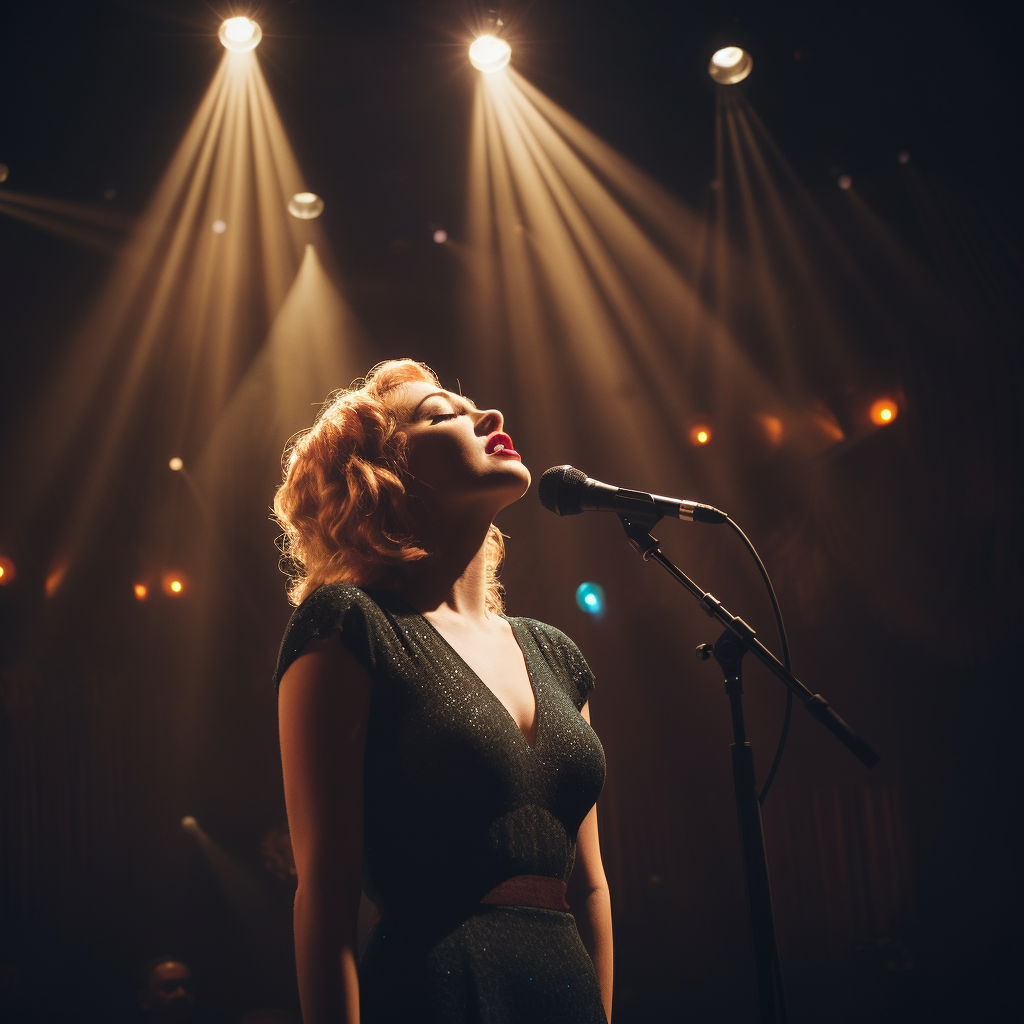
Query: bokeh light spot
{"points": [[844, 181], [219, 227], [141, 591], [7, 571], [590, 598], [883, 412], [700, 434], [176, 464], [440, 236]]}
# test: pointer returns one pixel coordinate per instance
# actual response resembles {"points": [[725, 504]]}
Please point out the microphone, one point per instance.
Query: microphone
{"points": [[567, 491]]}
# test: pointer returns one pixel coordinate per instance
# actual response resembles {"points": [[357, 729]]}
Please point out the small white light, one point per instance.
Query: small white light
{"points": [[730, 65], [305, 205], [176, 464], [219, 227], [844, 181], [239, 35], [440, 236], [489, 54]]}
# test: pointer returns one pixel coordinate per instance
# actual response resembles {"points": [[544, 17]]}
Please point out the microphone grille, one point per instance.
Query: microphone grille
{"points": [[561, 490]]}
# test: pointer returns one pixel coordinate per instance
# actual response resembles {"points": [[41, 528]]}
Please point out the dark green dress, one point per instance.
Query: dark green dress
{"points": [[457, 801]]}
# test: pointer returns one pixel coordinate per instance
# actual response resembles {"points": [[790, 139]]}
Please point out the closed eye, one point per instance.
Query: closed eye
{"points": [[443, 416]]}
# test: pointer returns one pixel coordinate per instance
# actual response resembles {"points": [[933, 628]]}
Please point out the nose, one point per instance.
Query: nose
{"points": [[488, 421]]}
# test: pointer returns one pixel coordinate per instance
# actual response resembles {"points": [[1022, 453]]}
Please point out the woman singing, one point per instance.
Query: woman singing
{"points": [[437, 754]]}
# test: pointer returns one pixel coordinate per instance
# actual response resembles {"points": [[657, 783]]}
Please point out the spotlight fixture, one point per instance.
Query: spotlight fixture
{"points": [[590, 598], [176, 465], [883, 412], [700, 434], [730, 65], [305, 205], [489, 54], [239, 35]]}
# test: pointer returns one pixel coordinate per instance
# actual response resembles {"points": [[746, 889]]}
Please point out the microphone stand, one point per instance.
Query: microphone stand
{"points": [[736, 641]]}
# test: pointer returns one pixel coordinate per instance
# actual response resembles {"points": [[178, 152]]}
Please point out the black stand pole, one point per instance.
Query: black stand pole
{"points": [[729, 650]]}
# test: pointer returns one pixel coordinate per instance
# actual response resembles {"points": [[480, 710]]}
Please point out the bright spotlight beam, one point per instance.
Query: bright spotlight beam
{"points": [[240, 35], [730, 65], [489, 54]]}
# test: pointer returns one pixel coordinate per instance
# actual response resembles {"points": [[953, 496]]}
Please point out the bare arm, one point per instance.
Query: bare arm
{"points": [[323, 707], [589, 892]]}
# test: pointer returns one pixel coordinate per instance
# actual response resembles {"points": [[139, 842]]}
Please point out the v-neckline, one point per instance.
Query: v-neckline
{"points": [[468, 669]]}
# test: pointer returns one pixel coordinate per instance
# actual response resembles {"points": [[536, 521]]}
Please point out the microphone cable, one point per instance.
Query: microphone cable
{"points": [[777, 760]]}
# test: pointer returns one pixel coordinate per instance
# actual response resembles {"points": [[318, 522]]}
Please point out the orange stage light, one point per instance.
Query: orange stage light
{"points": [[141, 591], [55, 578], [883, 412], [700, 434], [7, 571], [176, 464], [174, 584]]}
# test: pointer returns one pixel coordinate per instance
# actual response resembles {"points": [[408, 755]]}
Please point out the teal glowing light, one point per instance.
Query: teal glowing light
{"points": [[590, 598]]}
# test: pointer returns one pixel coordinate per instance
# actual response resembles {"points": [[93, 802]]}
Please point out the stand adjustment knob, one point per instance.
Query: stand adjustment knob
{"points": [[704, 651]]}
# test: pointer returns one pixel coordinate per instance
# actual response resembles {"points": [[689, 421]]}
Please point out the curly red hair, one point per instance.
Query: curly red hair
{"points": [[343, 505]]}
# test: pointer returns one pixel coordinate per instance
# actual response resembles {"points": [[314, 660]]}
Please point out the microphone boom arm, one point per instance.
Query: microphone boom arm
{"points": [[638, 529]]}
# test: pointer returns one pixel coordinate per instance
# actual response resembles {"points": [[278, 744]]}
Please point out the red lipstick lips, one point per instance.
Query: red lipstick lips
{"points": [[500, 444]]}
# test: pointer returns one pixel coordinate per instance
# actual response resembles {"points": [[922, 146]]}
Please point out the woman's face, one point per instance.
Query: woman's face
{"points": [[457, 452]]}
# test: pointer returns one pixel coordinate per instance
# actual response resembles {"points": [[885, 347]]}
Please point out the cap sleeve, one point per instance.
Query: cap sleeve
{"points": [[336, 608], [566, 659]]}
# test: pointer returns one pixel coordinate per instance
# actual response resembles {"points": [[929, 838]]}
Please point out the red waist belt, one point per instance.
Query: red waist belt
{"points": [[529, 891]]}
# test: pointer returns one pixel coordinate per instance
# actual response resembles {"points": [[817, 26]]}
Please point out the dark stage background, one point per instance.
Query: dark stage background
{"points": [[894, 553]]}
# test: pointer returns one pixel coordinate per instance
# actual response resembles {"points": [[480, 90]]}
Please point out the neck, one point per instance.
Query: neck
{"points": [[453, 577]]}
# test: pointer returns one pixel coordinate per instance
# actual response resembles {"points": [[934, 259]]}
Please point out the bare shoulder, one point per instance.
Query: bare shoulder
{"points": [[325, 685]]}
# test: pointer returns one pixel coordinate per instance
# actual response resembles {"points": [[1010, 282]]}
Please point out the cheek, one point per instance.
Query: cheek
{"points": [[440, 458]]}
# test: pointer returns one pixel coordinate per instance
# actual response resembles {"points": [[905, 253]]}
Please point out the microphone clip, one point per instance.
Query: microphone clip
{"points": [[638, 528]]}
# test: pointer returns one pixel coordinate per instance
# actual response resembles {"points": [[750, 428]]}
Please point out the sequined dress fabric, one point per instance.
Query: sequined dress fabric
{"points": [[456, 801]]}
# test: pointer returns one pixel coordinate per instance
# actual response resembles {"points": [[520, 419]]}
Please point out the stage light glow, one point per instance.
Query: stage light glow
{"points": [[219, 227], [239, 35], [440, 236], [175, 586], [4, 171], [489, 54], [55, 578], [305, 205], [883, 412], [7, 571], [730, 65], [771, 427], [844, 181], [141, 591], [189, 824], [700, 434], [176, 465], [590, 598], [903, 157]]}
